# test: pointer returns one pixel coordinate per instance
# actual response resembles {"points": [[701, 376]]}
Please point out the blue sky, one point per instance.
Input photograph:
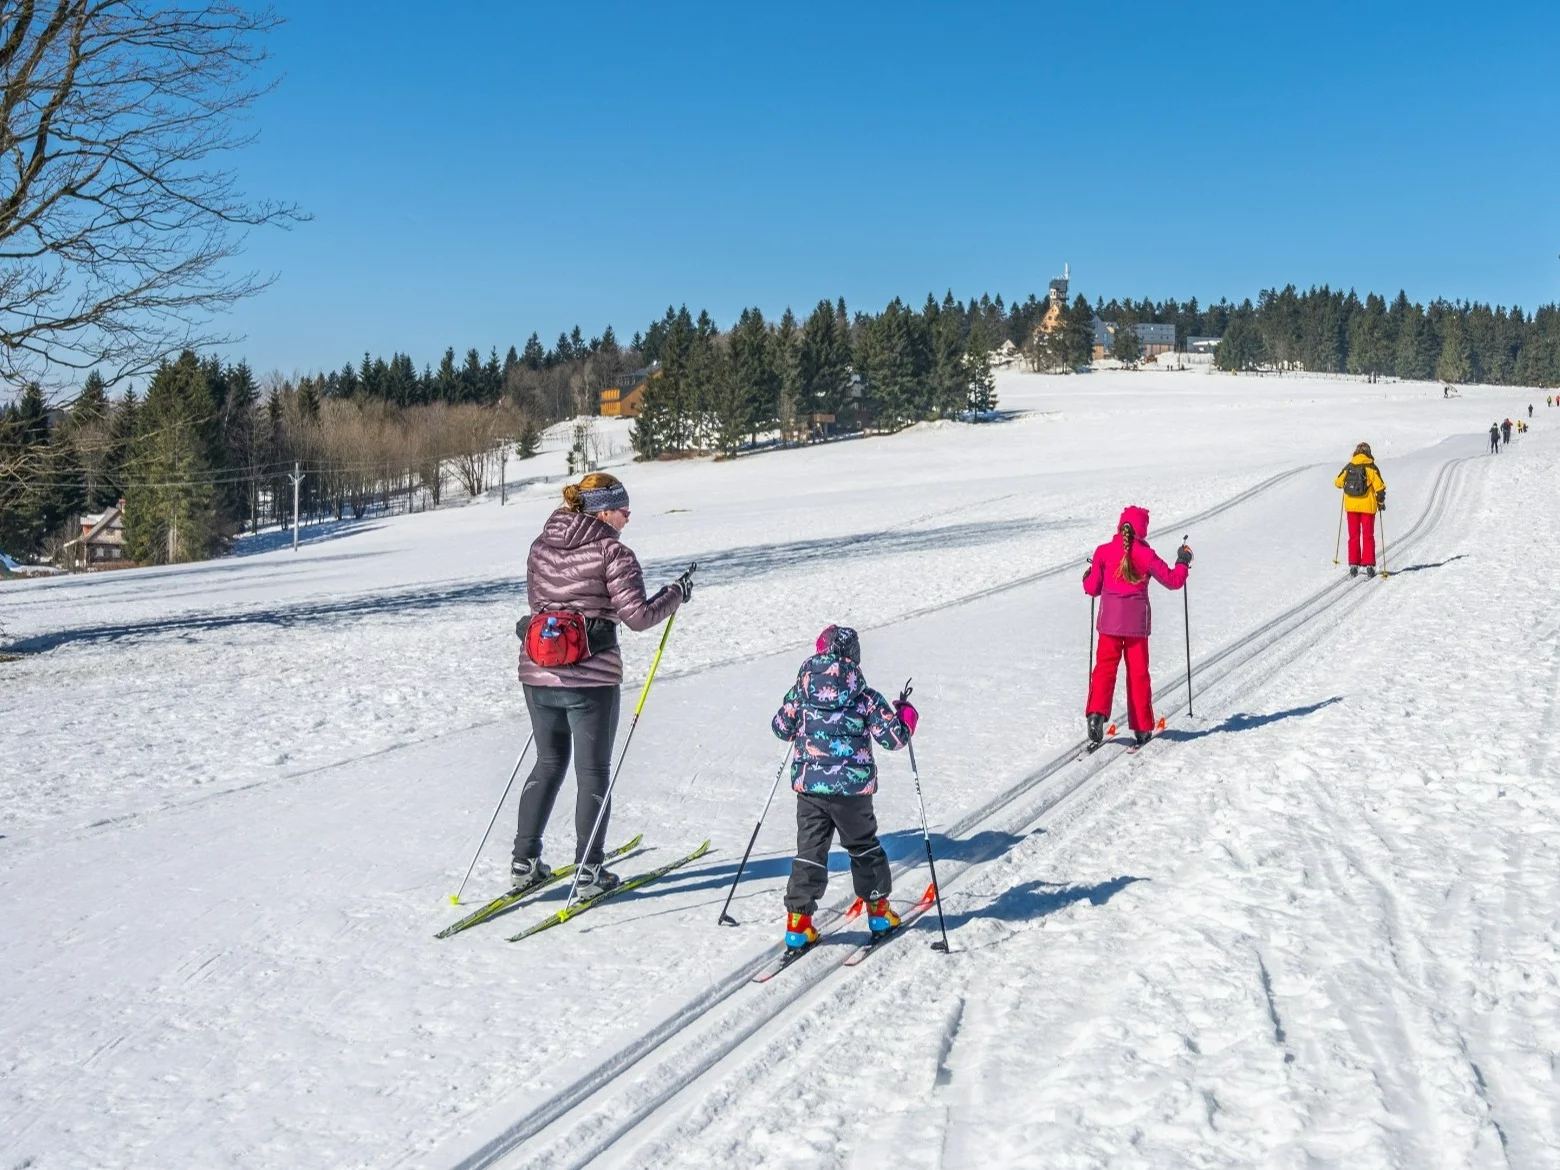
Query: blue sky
{"points": [[477, 171]]}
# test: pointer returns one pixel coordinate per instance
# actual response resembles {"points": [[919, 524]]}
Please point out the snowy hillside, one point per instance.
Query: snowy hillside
{"points": [[1314, 925]]}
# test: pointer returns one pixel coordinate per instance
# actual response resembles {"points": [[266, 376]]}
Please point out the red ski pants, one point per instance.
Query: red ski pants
{"points": [[1362, 538], [1140, 689]]}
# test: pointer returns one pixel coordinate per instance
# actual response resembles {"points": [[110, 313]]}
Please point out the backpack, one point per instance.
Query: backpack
{"points": [[1355, 481]]}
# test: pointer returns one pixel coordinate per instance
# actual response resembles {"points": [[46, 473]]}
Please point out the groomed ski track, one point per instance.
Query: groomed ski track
{"points": [[605, 1106]]}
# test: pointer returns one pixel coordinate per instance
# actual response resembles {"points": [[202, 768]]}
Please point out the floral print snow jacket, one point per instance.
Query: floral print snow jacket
{"points": [[833, 716]]}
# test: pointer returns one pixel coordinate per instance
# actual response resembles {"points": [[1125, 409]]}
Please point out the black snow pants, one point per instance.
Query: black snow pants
{"points": [[586, 718], [817, 819]]}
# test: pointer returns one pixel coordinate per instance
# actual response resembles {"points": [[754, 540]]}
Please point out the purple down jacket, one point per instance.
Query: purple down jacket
{"points": [[579, 564]]}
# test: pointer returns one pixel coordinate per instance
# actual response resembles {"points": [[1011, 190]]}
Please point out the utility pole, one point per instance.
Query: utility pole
{"points": [[297, 479]]}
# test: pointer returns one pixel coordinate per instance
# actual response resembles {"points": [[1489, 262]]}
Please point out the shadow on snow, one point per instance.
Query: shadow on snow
{"points": [[720, 567], [1037, 899], [1241, 721]]}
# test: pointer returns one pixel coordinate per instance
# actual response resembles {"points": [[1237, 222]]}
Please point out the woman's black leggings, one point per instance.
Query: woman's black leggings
{"points": [[585, 717]]}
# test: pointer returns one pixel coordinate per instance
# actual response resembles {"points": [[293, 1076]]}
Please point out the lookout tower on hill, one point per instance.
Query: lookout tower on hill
{"points": [[1058, 302]]}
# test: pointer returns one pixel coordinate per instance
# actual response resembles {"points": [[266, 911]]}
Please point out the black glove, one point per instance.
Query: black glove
{"points": [[684, 584], [1183, 555], [1087, 573], [1381, 501]]}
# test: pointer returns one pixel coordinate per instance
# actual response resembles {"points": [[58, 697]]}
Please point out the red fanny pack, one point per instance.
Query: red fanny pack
{"points": [[557, 638]]}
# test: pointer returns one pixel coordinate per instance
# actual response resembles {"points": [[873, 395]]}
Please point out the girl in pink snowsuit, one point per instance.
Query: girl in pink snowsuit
{"points": [[1119, 574]]}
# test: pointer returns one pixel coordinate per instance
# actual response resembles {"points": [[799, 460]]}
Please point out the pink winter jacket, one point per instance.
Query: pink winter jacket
{"points": [[579, 564], [1124, 608]]}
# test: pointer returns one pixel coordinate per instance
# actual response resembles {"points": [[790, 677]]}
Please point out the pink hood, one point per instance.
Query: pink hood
{"points": [[1137, 517]]}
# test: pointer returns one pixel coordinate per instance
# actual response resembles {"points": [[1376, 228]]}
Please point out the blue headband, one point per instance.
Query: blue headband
{"points": [[605, 499]]}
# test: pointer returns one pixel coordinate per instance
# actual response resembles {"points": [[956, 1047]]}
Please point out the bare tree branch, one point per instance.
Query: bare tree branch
{"points": [[118, 218]]}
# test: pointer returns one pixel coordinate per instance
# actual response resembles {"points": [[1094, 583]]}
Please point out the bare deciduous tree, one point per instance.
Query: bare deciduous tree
{"points": [[117, 217]]}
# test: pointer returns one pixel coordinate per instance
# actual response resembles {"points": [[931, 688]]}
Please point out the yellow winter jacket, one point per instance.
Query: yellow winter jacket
{"points": [[1373, 480]]}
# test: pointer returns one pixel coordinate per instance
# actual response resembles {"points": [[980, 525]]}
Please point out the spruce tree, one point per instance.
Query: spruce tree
{"points": [[1415, 356], [754, 374], [1455, 364], [534, 356], [1079, 345], [170, 506], [787, 352], [1124, 345], [981, 386], [823, 360]]}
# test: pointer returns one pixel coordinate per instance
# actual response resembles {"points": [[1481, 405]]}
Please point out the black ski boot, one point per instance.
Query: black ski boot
{"points": [[1143, 737], [1354, 570], [1370, 570], [525, 874], [595, 880], [1096, 731]]}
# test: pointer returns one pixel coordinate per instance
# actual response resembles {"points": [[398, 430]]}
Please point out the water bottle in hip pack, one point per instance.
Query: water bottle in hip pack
{"points": [[556, 638]]}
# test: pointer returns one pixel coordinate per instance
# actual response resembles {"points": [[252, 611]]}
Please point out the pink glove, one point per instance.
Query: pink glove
{"points": [[908, 715]]}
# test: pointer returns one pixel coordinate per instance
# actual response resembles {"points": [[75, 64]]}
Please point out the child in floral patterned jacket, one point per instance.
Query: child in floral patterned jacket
{"points": [[832, 716]]}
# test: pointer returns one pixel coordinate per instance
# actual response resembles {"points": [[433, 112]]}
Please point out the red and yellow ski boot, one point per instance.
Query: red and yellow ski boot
{"points": [[881, 919], [799, 932]]}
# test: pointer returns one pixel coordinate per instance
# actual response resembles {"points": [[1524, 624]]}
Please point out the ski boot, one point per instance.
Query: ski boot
{"points": [[1370, 570], [1354, 570], [595, 881], [525, 874], [799, 932], [1096, 730], [1142, 737], [881, 919]]}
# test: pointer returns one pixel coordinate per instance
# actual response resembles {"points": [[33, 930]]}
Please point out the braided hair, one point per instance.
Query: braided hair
{"points": [[1127, 571]]}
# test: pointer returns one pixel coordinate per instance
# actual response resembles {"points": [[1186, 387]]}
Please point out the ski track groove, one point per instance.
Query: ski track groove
{"points": [[1249, 659], [178, 806]]}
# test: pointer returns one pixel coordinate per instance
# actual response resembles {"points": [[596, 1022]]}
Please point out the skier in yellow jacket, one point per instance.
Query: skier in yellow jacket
{"points": [[1364, 494]]}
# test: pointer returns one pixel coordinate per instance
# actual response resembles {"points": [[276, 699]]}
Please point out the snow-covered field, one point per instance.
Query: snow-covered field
{"points": [[1315, 926]]}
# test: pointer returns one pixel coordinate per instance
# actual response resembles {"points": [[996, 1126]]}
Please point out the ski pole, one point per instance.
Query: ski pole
{"points": [[926, 835], [726, 919], [1381, 517], [1338, 541], [1093, 601], [1186, 614], [455, 897], [606, 800]]}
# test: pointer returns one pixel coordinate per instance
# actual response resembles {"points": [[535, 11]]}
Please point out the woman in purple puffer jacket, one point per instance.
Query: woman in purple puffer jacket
{"points": [[579, 566], [1119, 574]]}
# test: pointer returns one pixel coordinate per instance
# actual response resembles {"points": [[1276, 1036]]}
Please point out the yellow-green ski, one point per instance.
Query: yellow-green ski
{"points": [[504, 901], [630, 883]]}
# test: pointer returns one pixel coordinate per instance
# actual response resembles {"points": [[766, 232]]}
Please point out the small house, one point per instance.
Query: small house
{"points": [[102, 540], [625, 398]]}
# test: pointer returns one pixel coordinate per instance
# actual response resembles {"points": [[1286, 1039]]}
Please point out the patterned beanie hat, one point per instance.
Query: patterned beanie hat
{"points": [[841, 641]]}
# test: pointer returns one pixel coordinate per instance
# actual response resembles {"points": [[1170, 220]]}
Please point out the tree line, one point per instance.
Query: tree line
{"points": [[788, 379], [208, 451], [1327, 330]]}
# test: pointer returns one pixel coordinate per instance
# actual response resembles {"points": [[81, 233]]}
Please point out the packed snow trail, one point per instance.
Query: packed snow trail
{"points": [[1323, 935], [1298, 937], [585, 1128], [224, 849]]}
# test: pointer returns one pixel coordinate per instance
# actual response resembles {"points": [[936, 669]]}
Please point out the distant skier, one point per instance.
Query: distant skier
{"points": [[1494, 438], [1364, 494], [832, 716], [580, 580], [1119, 573], [1530, 410], [1505, 433]]}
